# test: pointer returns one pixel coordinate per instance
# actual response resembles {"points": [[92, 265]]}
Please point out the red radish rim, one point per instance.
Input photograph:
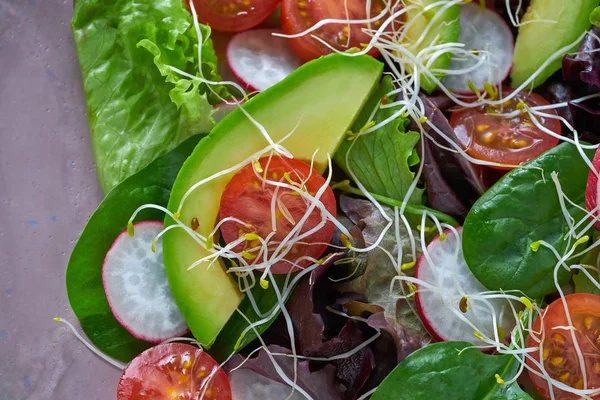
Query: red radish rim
{"points": [[418, 303], [237, 76], [110, 305], [433, 332], [512, 49], [591, 190]]}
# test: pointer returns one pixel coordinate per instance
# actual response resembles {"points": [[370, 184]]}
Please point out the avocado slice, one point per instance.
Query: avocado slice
{"points": [[445, 29], [321, 100], [537, 41]]}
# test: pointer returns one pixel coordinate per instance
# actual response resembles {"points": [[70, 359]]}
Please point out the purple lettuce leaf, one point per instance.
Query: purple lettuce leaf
{"points": [[585, 65], [321, 384], [374, 284], [352, 371]]}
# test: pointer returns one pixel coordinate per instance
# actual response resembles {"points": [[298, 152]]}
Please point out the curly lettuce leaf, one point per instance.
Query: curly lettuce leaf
{"points": [[381, 160], [138, 108]]}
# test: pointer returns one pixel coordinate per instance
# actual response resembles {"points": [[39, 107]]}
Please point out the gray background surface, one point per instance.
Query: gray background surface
{"points": [[48, 189]]}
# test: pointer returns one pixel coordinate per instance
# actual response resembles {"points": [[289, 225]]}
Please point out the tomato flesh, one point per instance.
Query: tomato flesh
{"points": [[249, 198], [234, 15], [487, 136], [299, 15], [557, 350], [174, 371]]}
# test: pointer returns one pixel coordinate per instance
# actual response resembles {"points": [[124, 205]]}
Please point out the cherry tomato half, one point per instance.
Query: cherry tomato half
{"points": [[557, 350], [299, 15], [511, 141], [234, 15], [249, 199], [174, 371]]}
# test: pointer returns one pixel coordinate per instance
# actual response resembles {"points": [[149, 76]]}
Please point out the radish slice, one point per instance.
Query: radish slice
{"points": [[259, 60], [136, 287], [222, 109], [592, 191], [440, 308], [485, 31]]}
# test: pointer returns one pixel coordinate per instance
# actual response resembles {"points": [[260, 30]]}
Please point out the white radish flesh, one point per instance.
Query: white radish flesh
{"points": [[488, 35], [136, 287], [259, 60], [443, 267]]}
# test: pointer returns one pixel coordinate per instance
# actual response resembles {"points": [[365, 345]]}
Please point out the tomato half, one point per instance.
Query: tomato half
{"points": [[557, 350], [234, 15], [299, 15], [488, 136], [174, 371], [249, 199]]}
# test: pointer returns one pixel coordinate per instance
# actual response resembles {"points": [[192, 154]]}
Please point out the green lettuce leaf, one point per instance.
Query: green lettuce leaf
{"points": [[138, 108], [381, 160]]}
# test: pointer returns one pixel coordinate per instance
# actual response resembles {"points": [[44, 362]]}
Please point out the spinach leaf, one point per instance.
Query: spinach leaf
{"points": [[138, 108], [584, 285], [522, 208], [381, 160], [84, 271], [439, 371]]}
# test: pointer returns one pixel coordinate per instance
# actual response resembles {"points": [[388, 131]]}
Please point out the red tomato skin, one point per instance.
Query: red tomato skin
{"points": [[472, 128], [243, 199], [580, 305], [591, 190], [308, 48], [247, 17], [150, 374]]}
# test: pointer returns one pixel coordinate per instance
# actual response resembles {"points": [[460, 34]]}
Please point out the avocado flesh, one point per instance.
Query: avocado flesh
{"points": [[537, 41], [321, 100], [445, 29]]}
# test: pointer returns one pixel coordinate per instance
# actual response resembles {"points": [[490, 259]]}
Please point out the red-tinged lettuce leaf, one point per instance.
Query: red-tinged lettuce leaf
{"points": [[585, 117], [352, 371], [585, 65], [374, 284], [321, 384], [138, 108]]}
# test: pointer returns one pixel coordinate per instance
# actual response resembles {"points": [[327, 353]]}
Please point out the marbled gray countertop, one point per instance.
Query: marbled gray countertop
{"points": [[48, 189]]}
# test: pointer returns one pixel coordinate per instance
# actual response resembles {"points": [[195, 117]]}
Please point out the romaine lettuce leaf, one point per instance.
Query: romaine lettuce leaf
{"points": [[138, 108]]}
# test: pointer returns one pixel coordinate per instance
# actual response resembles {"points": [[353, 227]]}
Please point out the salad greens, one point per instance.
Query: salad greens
{"points": [[354, 328], [139, 109], [523, 208], [381, 160], [451, 370]]}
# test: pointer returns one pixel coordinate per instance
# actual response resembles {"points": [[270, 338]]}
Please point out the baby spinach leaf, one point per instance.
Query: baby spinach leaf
{"points": [[442, 371], [522, 208], [84, 271], [138, 108], [381, 159]]}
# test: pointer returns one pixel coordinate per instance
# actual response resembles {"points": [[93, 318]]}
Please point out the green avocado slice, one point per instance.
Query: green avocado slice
{"points": [[421, 35], [537, 41], [320, 101]]}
